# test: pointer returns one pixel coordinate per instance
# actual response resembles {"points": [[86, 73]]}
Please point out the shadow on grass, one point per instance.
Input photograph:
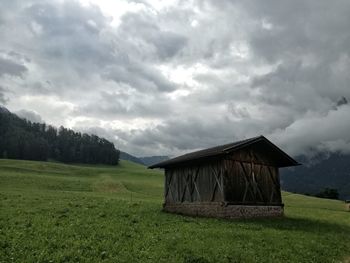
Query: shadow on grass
{"points": [[318, 208], [297, 224], [284, 223]]}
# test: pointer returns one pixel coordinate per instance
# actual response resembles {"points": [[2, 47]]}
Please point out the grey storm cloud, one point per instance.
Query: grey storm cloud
{"points": [[139, 76], [78, 42], [3, 99], [9, 67], [71, 35], [190, 75], [143, 27], [124, 106]]}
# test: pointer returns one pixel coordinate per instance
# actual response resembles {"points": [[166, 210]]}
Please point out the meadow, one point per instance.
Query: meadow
{"points": [[53, 212]]}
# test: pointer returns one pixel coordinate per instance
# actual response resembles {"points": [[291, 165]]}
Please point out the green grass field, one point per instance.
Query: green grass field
{"points": [[52, 212]]}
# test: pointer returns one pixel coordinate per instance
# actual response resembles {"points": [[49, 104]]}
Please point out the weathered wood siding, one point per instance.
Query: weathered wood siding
{"points": [[247, 176], [250, 183], [202, 183], [251, 178]]}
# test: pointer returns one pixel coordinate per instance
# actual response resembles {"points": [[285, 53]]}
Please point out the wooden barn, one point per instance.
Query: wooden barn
{"points": [[239, 179]]}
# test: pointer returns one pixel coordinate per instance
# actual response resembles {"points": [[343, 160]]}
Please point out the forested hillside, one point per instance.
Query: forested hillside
{"points": [[312, 177], [22, 139]]}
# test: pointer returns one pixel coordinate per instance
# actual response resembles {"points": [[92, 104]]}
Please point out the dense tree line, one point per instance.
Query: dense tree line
{"points": [[329, 193], [22, 139]]}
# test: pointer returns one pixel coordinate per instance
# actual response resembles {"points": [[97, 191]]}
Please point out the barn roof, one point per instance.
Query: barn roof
{"points": [[282, 159]]}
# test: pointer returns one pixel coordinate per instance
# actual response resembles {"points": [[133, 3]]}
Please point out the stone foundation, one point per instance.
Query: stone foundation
{"points": [[222, 210]]}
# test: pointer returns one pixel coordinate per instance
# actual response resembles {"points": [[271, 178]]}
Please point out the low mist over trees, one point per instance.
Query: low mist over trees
{"points": [[22, 139]]}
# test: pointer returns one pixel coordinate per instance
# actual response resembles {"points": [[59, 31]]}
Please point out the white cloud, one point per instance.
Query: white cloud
{"points": [[114, 9]]}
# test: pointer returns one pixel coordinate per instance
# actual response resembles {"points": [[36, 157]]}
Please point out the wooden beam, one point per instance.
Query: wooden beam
{"points": [[276, 187], [217, 184], [195, 183], [168, 188], [186, 185]]}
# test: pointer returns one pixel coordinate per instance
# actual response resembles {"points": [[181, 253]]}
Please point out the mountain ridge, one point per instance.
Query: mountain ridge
{"points": [[145, 160], [332, 171]]}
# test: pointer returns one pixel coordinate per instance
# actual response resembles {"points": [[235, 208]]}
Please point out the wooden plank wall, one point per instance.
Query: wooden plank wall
{"points": [[250, 183], [201, 183], [244, 177], [251, 177]]}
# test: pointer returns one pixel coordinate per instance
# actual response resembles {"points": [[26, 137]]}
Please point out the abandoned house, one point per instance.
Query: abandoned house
{"points": [[239, 179]]}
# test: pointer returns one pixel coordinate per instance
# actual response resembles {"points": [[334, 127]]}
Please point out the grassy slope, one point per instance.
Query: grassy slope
{"points": [[51, 212]]}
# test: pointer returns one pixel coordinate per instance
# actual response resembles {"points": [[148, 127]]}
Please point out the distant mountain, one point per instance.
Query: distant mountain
{"points": [[326, 172], [153, 159], [148, 160], [129, 157]]}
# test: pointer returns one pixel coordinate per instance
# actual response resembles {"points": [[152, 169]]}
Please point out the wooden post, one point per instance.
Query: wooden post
{"points": [[223, 174], [165, 190]]}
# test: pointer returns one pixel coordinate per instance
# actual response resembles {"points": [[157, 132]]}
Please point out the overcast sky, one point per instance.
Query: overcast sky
{"points": [[167, 77]]}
